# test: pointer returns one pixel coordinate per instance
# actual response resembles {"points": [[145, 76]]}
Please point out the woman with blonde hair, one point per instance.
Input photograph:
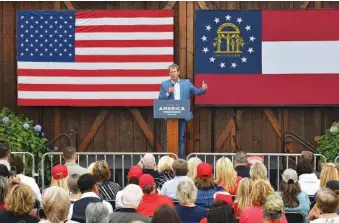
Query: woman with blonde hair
{"points": [[56, 205], [19, 203], [258, 172], [60, 177], [261, 189], [328, 172], [186, 194], [243, 198], [192, 167], [165, 170], [107, 189], [90, 168], [226, 176]]}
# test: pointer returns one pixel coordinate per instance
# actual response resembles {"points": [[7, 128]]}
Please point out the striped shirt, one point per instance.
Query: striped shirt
{"points": [[165, 176], [108, 190]]}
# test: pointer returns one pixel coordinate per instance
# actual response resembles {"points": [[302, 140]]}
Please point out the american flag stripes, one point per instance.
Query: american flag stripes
{"points": [[93, 58]]}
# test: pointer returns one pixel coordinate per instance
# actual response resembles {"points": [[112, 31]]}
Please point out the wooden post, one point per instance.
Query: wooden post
{"points": [[189, 73], [57, 128], [172, 135], [57, 5], [182, 62]]}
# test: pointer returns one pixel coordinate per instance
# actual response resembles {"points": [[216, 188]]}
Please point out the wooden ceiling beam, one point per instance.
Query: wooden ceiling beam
{"points": [[144, 127], [94, 129], [305, 4], [227, 129], [69, 5], [170, 5], [202, 5]]}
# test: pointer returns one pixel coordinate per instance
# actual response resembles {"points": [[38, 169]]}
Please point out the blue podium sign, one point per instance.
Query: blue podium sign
{"points": [[171, 109]]}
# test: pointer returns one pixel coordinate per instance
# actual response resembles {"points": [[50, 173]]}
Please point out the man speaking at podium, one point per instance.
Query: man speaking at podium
{"points": [[179, 89]]}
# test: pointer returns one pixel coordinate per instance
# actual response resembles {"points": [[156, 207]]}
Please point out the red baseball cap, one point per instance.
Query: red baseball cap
{"points": [[59, 172], [134, 171], [204, 170], [146, 179]]}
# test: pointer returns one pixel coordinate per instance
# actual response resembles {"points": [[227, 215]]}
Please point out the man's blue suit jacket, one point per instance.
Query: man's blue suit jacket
{"points": [[186, 89]]}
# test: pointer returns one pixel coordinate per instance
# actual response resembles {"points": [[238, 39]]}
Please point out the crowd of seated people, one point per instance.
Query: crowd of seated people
{"points": [[170, 191]]}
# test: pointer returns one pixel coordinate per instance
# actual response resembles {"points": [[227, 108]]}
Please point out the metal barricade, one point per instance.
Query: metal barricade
{"points": [[118, 162], [29, 161], [336, 160], [275, 163]]}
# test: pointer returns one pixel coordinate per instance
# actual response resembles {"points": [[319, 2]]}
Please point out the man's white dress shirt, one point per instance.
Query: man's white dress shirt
{"points": [[177, 90], [170, 187], [90, 194]]}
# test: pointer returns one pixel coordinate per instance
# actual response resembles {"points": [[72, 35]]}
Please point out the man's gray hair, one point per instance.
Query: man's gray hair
{"points": [[72, 183], [97, 213], [174, 66], [240, 157], [132, 195]]}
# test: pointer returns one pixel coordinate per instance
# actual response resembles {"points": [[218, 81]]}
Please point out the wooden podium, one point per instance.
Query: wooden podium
{"points": [[172, 130], [172, 111]]}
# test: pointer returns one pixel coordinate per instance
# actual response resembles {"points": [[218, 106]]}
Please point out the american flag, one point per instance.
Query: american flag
{"points": [[93, 58], [270, 57]]}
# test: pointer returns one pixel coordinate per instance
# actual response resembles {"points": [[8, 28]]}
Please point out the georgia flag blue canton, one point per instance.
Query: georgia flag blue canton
{"points": [[240, 53]]}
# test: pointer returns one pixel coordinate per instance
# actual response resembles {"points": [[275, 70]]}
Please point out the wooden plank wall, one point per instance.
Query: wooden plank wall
{"points": [[120, 131]]}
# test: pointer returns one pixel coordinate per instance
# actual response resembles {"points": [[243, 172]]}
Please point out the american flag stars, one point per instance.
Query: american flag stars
{"points": [[43, 35]]}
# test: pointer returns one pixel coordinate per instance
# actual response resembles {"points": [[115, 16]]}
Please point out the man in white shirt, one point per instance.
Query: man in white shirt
{"points": [[5, 153], [90, 191], [70, 157], [180, 169]]}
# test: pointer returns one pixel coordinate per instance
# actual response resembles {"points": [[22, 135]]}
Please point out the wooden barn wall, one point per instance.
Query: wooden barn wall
{"points": [[120, 131]]}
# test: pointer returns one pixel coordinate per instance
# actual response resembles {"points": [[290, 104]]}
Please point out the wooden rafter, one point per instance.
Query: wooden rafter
{"points": [[94, 129], [202, 5], [273, 120], [234, 142], [275, 124], [69, 5], [305, 4], [227, 129], [143, 126], [170, 5]]}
